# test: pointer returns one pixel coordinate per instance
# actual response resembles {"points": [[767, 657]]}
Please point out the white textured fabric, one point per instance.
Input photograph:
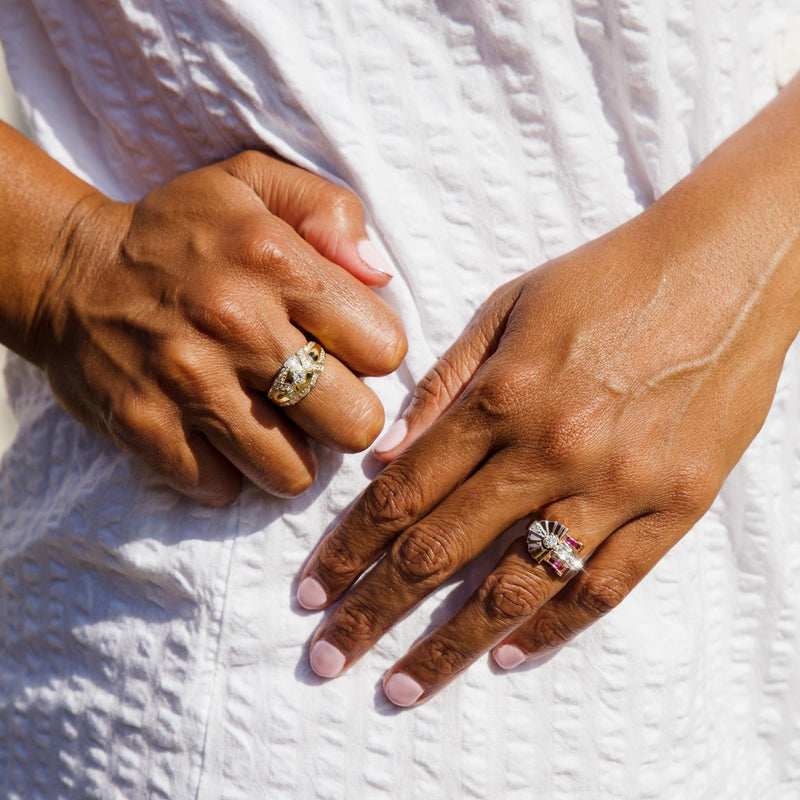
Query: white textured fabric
{"points": [[153, 649]]}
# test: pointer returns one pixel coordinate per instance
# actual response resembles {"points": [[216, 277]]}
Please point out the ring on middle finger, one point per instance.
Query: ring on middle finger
{"points": [[549, 542]]}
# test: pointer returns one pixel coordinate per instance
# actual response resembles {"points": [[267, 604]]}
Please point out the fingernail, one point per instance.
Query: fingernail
{"points": [[310, 594], [402, 690], [372, 258], [393, 437], [326, 660], [508, 656]]}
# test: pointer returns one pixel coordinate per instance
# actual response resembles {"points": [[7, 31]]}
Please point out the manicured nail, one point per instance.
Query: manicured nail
{"points": [[310, 594], [508, 656], [372, 258], [393, 437], [402, 690], [326, 660]]}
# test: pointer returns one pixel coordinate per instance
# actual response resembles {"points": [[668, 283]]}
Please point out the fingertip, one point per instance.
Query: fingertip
{"points": [[311, 594], [374, 261], [391, 440], [508, 656], [402, 689], [326, 660]]}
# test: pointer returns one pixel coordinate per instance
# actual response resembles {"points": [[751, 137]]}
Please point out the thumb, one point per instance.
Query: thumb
{"points": [[451, 374], [329, 217]]}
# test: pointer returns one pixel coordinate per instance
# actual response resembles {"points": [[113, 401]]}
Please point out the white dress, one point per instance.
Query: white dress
{"points": [[152, 648]]}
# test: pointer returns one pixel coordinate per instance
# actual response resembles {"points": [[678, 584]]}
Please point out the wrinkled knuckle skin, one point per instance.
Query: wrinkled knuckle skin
{"points": [[568, 442], [443, 658], [549, 631], [422, 556], [510, 600], [226, 319], [358, 620], [435, 386], [391, 500], [600, 594], [337, 561]]}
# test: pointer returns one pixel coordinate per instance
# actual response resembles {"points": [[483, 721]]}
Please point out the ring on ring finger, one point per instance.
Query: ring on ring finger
{"points": [[298, 375]]}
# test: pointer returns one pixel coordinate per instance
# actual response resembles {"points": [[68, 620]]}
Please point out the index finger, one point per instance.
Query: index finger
{"points": [[416, 482]]}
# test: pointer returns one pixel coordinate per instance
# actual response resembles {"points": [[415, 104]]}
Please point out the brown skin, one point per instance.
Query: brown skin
{"points": [[613, 390], [162, 323]]}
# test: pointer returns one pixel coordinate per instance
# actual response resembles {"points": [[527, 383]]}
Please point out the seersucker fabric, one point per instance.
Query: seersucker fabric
{"points": [[152, 648]]}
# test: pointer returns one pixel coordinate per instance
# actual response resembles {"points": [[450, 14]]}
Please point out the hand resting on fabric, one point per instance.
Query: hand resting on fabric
{"points": [[163, 323], [612, 390]]}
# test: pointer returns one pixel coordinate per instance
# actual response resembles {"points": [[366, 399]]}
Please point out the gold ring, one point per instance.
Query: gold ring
{"points": [[298, 375]]}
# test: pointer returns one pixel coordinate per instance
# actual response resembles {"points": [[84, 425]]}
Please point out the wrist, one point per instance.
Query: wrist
{"points": [[88, 242]]}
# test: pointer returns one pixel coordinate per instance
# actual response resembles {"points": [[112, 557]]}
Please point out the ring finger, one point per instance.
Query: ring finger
{"points": [[339, 411]]}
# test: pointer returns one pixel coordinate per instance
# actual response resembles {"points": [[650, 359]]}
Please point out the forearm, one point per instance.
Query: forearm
{"points": [[38, 201], [741, 211]]}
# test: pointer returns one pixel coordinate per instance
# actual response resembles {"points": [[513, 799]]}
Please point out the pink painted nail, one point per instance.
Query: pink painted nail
{"points": [[393, 437], [508, 656], [372, 258], [402, 690], [326, 660], [310, 594]]}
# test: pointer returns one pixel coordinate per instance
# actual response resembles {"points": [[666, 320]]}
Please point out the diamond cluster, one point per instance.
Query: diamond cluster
{"points": [[549, 541]]}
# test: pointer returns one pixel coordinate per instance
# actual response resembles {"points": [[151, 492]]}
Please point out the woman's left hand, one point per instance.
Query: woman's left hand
{"points": [[611, 390]]}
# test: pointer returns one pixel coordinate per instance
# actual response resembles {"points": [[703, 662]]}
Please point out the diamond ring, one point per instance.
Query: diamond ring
{"points": [[548, 541], [298, 375]]}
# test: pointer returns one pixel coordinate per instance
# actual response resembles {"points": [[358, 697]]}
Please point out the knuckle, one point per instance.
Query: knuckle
{"points": [[224, 318], [248, 161], [692, 490], [599, 594], [391, 346], [443, 657], [338, 559], [423, 556], [185, 371], [549, 631], [392, 499], [572, 440], [359, 619], [501, 395], [341, 205], [438, 385], [510, 599]]}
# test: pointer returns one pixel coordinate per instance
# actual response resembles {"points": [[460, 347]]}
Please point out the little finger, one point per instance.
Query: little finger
{"points": [[264, 445], [617, 566]]}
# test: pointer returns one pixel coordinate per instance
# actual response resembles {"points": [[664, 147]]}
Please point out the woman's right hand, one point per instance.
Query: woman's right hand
{"points": [[165, 322]]}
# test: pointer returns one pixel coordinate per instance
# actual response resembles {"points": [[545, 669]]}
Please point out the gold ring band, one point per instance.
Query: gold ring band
{"points": [[298, 376]]}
